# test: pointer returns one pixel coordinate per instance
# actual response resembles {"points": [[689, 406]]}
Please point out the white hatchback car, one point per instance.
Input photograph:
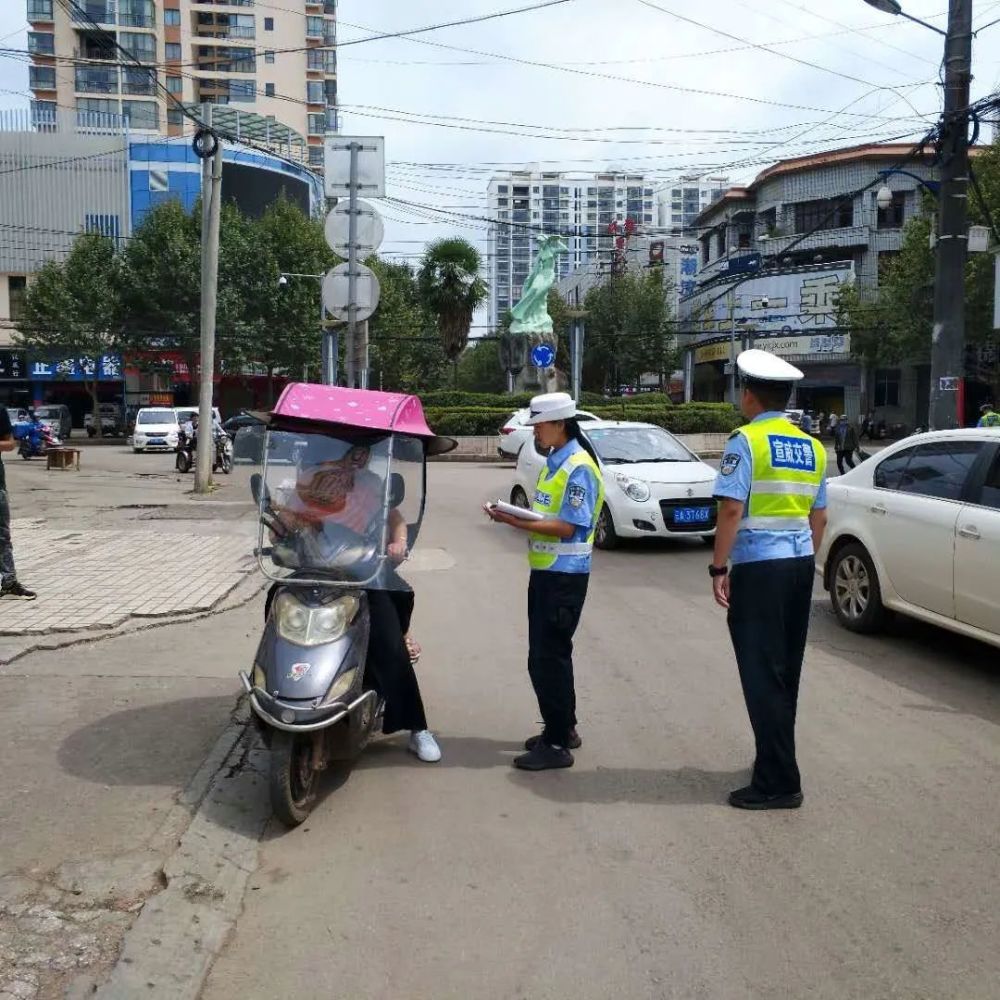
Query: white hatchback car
{"points": [[916, 529], [155, 428], [654, 486], [515, 432]]}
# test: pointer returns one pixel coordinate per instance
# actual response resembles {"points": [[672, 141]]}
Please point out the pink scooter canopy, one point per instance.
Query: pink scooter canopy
{"points": [[365, 409]]}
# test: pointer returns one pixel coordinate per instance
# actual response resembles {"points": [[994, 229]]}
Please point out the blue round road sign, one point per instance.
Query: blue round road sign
{"points": [[543, 355]]}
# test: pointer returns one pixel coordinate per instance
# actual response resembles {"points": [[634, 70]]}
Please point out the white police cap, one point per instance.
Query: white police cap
{"points": [[763, 366], [551, 406]]}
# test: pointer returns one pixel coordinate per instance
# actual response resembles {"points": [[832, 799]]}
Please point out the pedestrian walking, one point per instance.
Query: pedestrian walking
{"points": [[989, 418], [845, 443], [771, 489], [11, 589], [806, 424], [568, 497], [834, 420]]}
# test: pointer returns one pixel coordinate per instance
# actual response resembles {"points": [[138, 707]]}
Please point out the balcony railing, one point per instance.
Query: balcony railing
{"points": [[226, 31], [102, 13], [137, 20], [97, 81]]}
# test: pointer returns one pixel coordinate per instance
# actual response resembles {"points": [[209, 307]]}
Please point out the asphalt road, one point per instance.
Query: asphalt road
{"points": [[628, 875]]}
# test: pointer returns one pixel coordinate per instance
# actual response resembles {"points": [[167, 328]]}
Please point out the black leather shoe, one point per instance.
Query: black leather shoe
{"points": [[750, 798], [574, 742], [543, 757]]}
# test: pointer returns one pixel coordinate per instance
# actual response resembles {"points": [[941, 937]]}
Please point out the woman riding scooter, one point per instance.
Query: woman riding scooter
{"points": [[346, 493]]}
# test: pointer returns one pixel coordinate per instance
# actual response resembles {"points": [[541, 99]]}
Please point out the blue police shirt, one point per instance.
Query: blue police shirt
{"points": [[733, 483], [578, 505]]}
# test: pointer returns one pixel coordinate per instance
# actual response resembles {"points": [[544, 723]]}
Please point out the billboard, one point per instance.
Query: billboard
{"points": [[785, 304]]}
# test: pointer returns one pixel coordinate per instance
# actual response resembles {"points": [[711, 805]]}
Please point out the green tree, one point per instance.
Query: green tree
{"points": [[72, 308], [627, 332], [479, 368], [406, 353], [452, 290]]}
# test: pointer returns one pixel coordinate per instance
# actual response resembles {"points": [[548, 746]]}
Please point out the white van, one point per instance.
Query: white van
{"points": [[155, 427]]}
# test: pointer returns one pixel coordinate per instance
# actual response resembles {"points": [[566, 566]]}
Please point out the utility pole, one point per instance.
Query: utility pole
{"points": [[211, 206], [733, 298], [352, 267], [948, 335]]}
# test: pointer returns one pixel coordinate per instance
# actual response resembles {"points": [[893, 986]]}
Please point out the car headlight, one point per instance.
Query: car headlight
{"points": [[307, 626], [341, 686], [634, 489]]}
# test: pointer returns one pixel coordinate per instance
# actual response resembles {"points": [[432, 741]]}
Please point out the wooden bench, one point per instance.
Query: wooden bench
{"points": [[63, 458]]}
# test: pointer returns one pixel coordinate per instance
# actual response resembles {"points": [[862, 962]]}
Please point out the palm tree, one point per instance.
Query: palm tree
{"points": [[452, 290]]}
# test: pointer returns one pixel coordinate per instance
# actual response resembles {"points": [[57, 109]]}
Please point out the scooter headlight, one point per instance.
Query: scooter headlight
{"points": [[341, 686], [307, 626]]}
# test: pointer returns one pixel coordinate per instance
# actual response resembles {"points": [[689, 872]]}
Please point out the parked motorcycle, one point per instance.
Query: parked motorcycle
{"points": [[187, 449], [34, 439], [312, 696]]}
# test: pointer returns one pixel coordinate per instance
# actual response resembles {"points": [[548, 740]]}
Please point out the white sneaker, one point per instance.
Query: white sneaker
{"points": [[423, 744]]}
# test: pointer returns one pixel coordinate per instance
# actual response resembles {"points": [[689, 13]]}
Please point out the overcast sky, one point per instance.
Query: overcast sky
{"points": [[624, 84]]}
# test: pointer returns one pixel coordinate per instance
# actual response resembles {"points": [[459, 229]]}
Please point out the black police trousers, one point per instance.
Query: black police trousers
{"points": [[769, 604], [555, 602]]}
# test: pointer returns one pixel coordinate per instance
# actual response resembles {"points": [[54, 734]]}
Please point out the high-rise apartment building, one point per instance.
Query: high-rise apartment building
{"points": [[681, 203], [273, 68], [525, 204]]}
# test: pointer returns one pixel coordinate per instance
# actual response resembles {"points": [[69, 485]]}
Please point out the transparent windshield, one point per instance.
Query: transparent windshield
{"points": [[339, 510], [633, 445]]}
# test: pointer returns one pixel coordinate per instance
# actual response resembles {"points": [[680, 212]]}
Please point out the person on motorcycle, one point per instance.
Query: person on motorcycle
{"points": [[190, 432], [346, 492]]}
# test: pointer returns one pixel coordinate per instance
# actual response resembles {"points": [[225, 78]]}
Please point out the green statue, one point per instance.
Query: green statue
{"points": [[531, 314]]}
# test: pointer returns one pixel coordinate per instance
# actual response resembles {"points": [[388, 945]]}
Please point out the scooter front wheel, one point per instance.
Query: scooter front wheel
{"points": [[292, 778], [183, 462]]}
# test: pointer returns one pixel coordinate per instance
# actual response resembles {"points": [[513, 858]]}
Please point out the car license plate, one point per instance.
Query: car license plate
{"points": [[692, 515], [157, 440]]}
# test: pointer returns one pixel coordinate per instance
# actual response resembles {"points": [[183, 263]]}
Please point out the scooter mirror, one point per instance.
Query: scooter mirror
{"points": [[397, 489]]}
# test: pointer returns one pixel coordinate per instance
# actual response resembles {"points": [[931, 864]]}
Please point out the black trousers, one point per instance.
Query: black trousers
{"points": [[7, 572], [844, 456], [555, 602], [769, 605], [388, 657]]}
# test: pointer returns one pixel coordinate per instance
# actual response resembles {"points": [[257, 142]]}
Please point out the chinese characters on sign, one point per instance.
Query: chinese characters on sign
{"points": [[818, 299], [106, 368], [791, 453], [11, 365]]}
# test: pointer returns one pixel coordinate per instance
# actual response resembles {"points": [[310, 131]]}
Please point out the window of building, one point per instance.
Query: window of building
{"points": [[242, 91], [830, 213], [139, 45], [43, 115], [269, 24], [172, 51], [175, 116], [42, 77], [891, 217], [39, 10], [42, 42], [314, 91], [87, 107], [171, 17], [314, 26], [138, 81], [887, 387], [269, 57], [103, 225], [502, 189], [317, 124], [316, 156], [269, 90], [141, 114], [175, 84], [17, 289]]}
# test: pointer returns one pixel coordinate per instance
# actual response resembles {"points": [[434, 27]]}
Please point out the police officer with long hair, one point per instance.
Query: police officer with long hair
{"points": [[568, 495], [772, 514]]}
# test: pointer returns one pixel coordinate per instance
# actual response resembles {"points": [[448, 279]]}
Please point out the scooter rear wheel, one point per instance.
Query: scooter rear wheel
{"points": [[292, 778]]}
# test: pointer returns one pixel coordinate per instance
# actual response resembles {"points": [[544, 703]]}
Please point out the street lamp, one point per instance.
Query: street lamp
{"points": [[893, 7]]}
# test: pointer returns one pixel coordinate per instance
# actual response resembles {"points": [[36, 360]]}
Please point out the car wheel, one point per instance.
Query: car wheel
{"points": [[519, 498], [854, 590], [605, 536]]}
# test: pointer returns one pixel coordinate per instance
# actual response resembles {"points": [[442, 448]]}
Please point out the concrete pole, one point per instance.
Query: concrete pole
{"points": [[211, 194], [948, 336]]}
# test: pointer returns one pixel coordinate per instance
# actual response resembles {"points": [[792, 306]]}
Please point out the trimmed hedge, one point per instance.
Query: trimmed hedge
{"points": [[454, 399], [685, 418]]}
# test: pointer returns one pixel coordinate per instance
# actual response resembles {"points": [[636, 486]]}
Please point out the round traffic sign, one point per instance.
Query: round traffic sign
{"points": [[543, 355], [370, 228], [336, 292]]}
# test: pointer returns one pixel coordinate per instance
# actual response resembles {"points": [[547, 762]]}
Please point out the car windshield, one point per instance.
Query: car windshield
{"points": [[157, 417], [632, 445]]}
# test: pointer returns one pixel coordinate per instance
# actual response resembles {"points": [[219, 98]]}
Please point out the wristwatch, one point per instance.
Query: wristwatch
{"points": [[714, 571]]}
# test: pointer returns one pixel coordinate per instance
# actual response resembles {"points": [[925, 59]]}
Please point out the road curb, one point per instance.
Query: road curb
{"points": [[169, 950]]}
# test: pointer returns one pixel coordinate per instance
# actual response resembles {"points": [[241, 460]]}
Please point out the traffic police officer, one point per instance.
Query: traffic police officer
{"points": [[989, 418], [771, 490], [569, 495]]}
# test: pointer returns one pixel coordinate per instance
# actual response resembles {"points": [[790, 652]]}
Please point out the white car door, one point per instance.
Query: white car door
{"points": [[914, 515], [977, 556]]}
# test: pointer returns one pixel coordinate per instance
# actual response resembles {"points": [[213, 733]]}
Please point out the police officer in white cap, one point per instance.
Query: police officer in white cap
{"points": [[771, 490], [569, 495]]}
